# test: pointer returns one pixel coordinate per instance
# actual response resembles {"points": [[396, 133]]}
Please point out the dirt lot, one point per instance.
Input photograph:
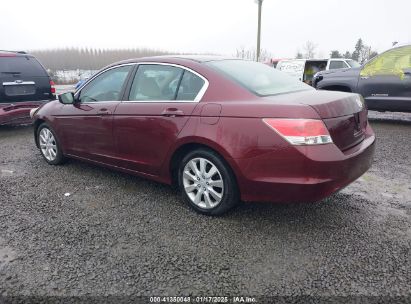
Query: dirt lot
{"points": [[117, 234]]}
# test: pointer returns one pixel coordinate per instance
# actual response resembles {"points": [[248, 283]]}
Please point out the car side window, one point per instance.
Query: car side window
{"points": [[393, 62], [155, 82], [190, 86], [337, 64], [107, 86]]}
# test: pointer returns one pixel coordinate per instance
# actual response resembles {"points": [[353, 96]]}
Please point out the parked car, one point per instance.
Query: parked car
{"points": [[221, 129], [273, 62], [24, 85], [80, 83], [305, 69], [384, 81]]}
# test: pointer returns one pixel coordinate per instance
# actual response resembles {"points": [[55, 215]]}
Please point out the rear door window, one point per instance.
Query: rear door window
{"points": [[21, 65], [337, 64], [156, 82], [190, 86]]}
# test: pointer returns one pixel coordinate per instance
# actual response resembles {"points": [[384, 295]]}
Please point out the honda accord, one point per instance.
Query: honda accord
{"points": [[222, 129]]}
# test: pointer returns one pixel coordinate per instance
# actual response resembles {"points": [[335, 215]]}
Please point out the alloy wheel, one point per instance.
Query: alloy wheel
{"points": [[48, 144], [203, 183]]}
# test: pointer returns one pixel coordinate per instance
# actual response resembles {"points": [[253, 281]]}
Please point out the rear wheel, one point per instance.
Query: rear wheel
{"points": [[49, 145], [207, 183]]}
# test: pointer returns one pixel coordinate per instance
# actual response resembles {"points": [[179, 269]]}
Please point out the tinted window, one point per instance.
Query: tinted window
{"points": [[334, 64], [23, 65], [107, 86], [155, 82], [259, 78], [392, 62], [190, 86]]}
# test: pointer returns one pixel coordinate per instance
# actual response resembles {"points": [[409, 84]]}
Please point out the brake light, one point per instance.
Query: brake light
{"points": [[52, 87], [300, 131]]}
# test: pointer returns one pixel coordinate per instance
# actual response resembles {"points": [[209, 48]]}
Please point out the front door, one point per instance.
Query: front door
{"points": [[87, 125], [385, 82], [160, 102]]}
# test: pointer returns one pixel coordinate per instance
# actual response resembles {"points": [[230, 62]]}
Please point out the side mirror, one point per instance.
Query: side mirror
{"points": [[407, 71], [67, 98]]}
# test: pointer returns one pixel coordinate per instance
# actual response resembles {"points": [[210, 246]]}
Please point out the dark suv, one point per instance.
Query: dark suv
{"points": [[384, 81], [24, 84]]}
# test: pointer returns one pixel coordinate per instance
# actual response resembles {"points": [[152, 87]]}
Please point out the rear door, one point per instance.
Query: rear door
{"points": [[22, 78], [385, 82], [160, 102], [87, 125]]}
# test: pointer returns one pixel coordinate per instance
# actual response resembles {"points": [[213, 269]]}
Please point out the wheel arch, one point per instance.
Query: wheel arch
{"points": [[36, 126], [180, 150]]}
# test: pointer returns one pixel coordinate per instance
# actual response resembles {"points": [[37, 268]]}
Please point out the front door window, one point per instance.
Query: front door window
{"points": [[107, 86]]}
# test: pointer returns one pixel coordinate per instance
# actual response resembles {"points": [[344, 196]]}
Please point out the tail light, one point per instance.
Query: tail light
{"points": [[300, 131], [52, 87]]}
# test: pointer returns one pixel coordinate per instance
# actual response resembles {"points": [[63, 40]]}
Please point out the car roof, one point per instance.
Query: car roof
{"points": [[5, 53], [175, 59], [197, 58], [398, 45], [305, 59]]}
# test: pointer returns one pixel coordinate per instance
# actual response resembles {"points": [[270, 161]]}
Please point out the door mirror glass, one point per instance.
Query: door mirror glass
{"points": [[66, 98]]}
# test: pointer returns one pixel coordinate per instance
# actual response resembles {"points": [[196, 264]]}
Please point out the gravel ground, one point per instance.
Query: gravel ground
{"points": [[116, 234]]}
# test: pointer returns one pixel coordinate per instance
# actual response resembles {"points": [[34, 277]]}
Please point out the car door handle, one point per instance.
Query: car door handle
{"points": [[364, 77], [172, 112], [104, 111]]}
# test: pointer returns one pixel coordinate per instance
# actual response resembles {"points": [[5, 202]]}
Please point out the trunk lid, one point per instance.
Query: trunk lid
{"points": [[344, 114]]}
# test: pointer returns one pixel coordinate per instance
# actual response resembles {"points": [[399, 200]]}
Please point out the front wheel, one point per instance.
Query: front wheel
{"points": [[49, 145], [207, 182]]}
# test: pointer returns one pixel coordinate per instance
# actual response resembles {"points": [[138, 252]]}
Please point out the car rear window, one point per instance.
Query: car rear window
{"points": [[259, 78], [24, 65]]}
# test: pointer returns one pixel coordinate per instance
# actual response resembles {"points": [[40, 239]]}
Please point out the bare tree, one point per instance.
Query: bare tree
{"points": [[309, 48], [251, 54], [88, 59]]}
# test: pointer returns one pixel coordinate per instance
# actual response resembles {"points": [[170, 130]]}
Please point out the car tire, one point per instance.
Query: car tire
{"points": [[207, 182], [49, 145]]}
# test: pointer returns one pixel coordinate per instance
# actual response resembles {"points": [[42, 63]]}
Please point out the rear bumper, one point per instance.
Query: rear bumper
{"points": [[19, 112], [305, 174]]}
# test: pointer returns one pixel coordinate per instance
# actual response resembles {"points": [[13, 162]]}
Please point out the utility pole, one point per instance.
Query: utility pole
{"points": [[259, 2]]}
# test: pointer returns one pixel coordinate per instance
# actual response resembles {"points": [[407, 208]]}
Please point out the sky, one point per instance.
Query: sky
{"points": [[204, 26]]}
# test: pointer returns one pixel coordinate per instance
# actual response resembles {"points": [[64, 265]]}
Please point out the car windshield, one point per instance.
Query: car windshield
{"points": [[258, 78], [353, 63]]}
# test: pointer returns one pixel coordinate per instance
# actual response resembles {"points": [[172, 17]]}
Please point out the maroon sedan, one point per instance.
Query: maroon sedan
{"points": [[221, 129]]}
